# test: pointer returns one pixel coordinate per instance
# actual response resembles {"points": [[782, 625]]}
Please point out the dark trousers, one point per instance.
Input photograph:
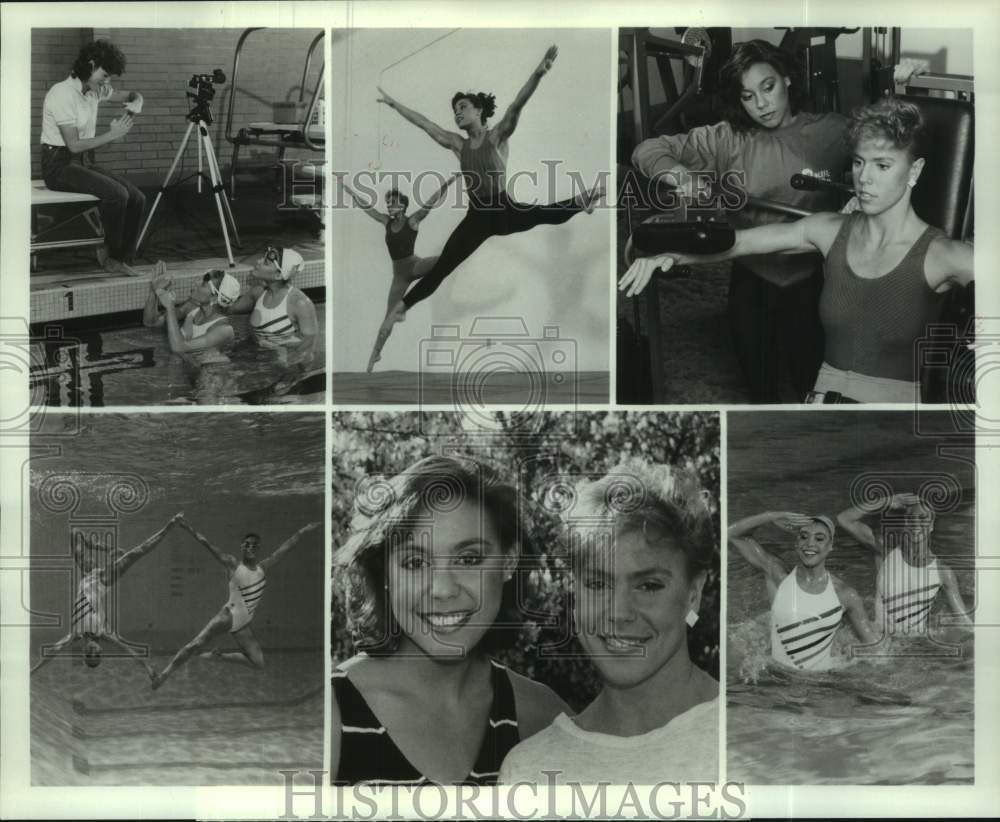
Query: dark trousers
{"points": [[776, 326], [479, 224], [122, 205]]}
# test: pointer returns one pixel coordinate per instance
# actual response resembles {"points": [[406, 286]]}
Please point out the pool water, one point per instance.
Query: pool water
{"points": [[213, 722], [135, 366], [904, 718]]}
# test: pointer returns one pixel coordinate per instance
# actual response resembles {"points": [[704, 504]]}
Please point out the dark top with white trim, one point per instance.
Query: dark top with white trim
{"points": [[368, 756]]}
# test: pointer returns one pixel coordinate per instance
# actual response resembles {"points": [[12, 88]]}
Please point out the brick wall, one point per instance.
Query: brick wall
{"points": [[160, 63]]}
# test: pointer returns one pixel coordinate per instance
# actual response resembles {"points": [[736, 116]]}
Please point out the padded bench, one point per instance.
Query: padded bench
{"points": [[42, 196]]}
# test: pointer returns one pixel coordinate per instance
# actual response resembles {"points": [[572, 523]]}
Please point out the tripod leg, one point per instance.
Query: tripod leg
{"points": [[166, 181], [214, 161], [200, 168], [216, 187]]}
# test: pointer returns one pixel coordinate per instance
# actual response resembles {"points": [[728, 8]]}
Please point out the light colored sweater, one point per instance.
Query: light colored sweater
{"points": [[686, 749]]}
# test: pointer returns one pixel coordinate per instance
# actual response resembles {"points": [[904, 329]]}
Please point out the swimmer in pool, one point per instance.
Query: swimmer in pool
{"points": [[400, 240], [205, 329], [809, 603], [909, 576], [247, 580], [282, 317], [98, 573]]}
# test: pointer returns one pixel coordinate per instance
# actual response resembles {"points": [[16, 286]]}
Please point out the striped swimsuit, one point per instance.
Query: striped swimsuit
{"points": [[89, 607], [246, 587], [905, 593], [368, 756], [803, 625], [272, 326]]}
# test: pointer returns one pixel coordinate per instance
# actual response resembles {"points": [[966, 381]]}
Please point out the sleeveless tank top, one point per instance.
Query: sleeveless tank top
{"points": [[400, 243], [905, 593], [90, 605], [871, 325], [483, 169], [272, 326], [369, 756], [246, 587], [803, 624]]}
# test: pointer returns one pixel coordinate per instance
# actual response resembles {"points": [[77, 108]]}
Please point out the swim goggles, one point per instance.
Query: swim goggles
{"points": [[273, 255]]}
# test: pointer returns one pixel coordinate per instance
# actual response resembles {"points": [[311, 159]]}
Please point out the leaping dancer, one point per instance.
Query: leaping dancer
{"points": [[247, 580], [482, 154], [400, 240], [89, 621]]}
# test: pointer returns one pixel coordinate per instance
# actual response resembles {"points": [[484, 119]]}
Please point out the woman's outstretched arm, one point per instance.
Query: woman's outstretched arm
{"points": [[372, 212], [813, 233], [437, 197], [508, 123], [445, 139]]}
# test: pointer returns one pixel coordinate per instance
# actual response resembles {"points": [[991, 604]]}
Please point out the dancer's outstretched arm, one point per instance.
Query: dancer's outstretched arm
{"points": [[129, 558], [223, 558], [417, 216], [374, 213], [59, 645], [508, 123], [446, 139], [287, 545]]}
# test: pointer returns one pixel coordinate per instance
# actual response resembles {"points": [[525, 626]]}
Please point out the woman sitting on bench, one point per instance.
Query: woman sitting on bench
{"points": [[69, 129]]}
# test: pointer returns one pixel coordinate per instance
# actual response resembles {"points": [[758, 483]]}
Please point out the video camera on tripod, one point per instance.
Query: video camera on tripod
{"points": [[200, 117], [204, 85]]}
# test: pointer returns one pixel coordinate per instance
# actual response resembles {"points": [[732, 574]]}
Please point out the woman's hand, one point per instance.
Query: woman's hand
{"points": [[385, 98], [121, 126], [166, 298], [789, 521], [547, 61], [642, 271], [903, 501]]}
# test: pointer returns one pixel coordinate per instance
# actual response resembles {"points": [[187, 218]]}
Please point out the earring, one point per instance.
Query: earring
{"points": [[692, 618], [912, 183]]}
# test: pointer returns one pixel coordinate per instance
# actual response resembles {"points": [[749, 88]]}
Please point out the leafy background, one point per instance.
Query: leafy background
{"points": [[529, 450]]}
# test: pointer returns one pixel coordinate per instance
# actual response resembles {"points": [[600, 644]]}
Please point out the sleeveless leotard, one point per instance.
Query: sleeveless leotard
{"points": [[483, 169], [369, 756], [246, 587], [803, 624], [872, 325], [904, 593], [400, 243], [272, 326], [89, 607]]}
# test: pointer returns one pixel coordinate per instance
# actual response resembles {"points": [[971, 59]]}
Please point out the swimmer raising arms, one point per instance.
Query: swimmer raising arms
{"points": [[908, 574], [246, 589], [809, 603], [98, 573]]}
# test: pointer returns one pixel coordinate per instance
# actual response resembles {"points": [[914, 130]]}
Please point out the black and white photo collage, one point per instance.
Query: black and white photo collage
{"points": [[445, 411]]}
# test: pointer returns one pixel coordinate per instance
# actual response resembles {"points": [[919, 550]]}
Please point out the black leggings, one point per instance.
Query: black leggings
{"points": [[482, 221]]}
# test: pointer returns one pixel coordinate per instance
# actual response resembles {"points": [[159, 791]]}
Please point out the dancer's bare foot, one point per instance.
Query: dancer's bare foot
{"points": [[589, 199], [374, 358], [155, 679], [396, 314]]}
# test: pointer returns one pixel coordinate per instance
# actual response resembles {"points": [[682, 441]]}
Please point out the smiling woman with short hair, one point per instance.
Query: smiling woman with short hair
{"points": [[640, 560]]}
